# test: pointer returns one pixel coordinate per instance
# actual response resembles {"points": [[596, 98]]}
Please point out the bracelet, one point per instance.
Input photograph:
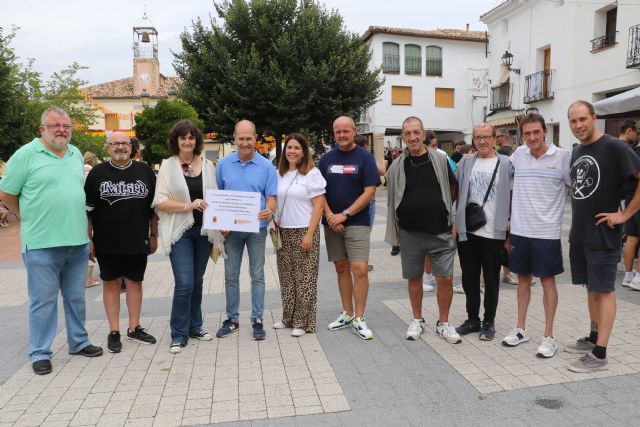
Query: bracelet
{"points": [[153, 235]]}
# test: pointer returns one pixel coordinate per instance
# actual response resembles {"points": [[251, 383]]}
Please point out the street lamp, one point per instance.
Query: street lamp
{"points": [[144, 98], [507, 60], [172, 94]]}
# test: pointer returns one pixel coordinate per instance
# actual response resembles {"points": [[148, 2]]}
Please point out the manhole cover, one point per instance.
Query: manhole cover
{"points": [[550, 403]]}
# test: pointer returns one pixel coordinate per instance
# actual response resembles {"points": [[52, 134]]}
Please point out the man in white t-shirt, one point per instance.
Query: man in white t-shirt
{"points": [[541, 172]]}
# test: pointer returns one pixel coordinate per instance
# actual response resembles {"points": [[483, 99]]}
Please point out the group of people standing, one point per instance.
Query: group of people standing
{"points": [[123, 212], [516, 202]]}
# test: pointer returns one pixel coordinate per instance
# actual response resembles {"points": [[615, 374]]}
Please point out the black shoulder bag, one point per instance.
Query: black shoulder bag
{"points": [[474, 213]]}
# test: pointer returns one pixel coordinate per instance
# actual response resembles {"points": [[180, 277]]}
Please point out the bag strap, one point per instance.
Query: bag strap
{"points": [[493, 177], [284, 198]]}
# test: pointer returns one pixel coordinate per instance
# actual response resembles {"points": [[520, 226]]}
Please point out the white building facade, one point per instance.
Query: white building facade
{"points": [[560, 52], [438, 76]]}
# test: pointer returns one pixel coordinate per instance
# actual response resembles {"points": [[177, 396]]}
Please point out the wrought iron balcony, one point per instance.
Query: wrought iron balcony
{"points": [[412, 65], [539, 86], [434, 67], [633, 54], [390, 63], [501, 97], [604, 41]]}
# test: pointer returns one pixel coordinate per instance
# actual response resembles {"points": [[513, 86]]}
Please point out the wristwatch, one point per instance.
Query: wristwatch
{"points": [[346, 213]]}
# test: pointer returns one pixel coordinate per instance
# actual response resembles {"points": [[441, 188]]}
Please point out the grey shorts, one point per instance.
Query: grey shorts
{"points": [[416, 245], [595, 268], [352, 245]]}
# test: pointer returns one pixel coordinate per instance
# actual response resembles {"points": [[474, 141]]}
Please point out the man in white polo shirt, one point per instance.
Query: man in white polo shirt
{"points": [[542, 171]]}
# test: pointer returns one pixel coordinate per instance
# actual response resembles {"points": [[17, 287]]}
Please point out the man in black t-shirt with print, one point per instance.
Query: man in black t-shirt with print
{"points": [[421, 188], [123, 230], [600, 167]]}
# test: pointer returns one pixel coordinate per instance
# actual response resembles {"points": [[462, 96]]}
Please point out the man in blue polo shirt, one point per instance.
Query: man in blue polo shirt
{"points": [[246, 170], [44, 181]]}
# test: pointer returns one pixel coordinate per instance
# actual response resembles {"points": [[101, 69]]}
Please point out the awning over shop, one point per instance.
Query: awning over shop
{"points": [[625, 104], [503, 118]]}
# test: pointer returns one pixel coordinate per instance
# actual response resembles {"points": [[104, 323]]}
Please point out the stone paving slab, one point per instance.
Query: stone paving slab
{"points": [[491, 367], [231, 379]]}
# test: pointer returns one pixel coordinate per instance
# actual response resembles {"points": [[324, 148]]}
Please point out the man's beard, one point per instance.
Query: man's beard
{"points": [[59, 145]]}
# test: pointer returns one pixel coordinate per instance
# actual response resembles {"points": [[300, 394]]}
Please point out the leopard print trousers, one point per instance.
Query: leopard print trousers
{"points": [[298, 273]]}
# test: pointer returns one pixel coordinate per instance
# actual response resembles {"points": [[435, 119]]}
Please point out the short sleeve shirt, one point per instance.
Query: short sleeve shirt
{"points": [[51, 195], [295, 192], [257, 175], [119, 204], [347, 174], [599, 172], [539, 192], [480, 179]]}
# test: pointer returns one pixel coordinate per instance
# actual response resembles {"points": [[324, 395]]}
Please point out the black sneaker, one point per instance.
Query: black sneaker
{"points": [[395, 250], [468, 327], [201, 335], [113, 342], [89, 351], [41, 367], [138, 334], [258, 330], [488, 331], [228, 326]]}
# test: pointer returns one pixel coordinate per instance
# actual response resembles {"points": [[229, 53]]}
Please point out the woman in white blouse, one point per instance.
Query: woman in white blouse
{"points": [[301, 190]]}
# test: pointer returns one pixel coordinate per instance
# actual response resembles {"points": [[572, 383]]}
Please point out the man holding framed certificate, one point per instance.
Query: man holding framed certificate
{"points": [[246, 171]]}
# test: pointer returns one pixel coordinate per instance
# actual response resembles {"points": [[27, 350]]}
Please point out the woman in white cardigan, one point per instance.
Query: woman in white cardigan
{"points": [[179, 200]]}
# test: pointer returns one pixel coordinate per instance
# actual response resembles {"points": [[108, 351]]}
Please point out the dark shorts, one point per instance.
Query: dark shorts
{"points": [[540, 257], [113, 267], [632, 226], [595, 268], [416, 245]]}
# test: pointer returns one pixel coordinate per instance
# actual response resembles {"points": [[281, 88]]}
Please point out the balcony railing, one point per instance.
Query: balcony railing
{"points": [[434, 67], [412, 65], [633, 55], [390, 63], [539, 86], [604, 41], [501, 97]]}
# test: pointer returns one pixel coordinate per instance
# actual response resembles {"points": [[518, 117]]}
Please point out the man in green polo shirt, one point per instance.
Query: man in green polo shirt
{"points": [[44, 182]]}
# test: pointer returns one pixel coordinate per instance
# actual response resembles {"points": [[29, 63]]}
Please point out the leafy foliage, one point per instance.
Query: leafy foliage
{"points": [[284, 64], [24, 96], [153, 125]]}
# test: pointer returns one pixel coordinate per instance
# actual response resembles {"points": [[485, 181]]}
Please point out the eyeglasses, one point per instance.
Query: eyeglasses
{"points": [[57, 125], [118, 144], [482, 138]]}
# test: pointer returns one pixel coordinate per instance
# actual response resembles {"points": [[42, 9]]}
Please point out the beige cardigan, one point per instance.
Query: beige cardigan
{"points": [[171, 185]]}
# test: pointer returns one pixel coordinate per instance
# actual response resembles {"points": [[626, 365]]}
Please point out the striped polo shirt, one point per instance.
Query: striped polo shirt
{"points": [[539, 192]]}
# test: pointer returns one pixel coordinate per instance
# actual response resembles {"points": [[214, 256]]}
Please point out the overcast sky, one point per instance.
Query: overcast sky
{"points": [[98, 34]]}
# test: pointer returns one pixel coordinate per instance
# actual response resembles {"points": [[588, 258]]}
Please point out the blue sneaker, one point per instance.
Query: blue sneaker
{"points": [[228, 326], [258, 330]]}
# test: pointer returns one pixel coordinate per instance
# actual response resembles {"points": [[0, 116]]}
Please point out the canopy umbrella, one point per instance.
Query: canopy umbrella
{"points": [[623, 105]]}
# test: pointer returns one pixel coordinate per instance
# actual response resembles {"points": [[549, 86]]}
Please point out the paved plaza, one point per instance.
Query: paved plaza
{"points": [[326, 378]]}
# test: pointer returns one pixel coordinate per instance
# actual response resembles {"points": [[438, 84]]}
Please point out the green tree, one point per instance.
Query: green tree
{"points": [[153, 125], [284, 64], [15, 114], [88, 142]]}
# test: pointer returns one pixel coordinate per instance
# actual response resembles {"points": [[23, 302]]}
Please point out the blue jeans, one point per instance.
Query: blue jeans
{"points": [[234, 247], [372, 213], [189, 256], [49, 271]]}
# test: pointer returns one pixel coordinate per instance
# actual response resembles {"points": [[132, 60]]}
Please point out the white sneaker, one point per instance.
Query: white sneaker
{"points": [[517, 336], [509, 279], [448, 332], [634, 285], [458, 289], [547, 347], [298, 332], [279, 325], [626, 282], [415, 329], [429, 283], [360, 328], [342, 321]]}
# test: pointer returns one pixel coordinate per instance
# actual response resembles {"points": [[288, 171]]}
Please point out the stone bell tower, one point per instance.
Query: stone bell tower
{"points": [[146, 68]]}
